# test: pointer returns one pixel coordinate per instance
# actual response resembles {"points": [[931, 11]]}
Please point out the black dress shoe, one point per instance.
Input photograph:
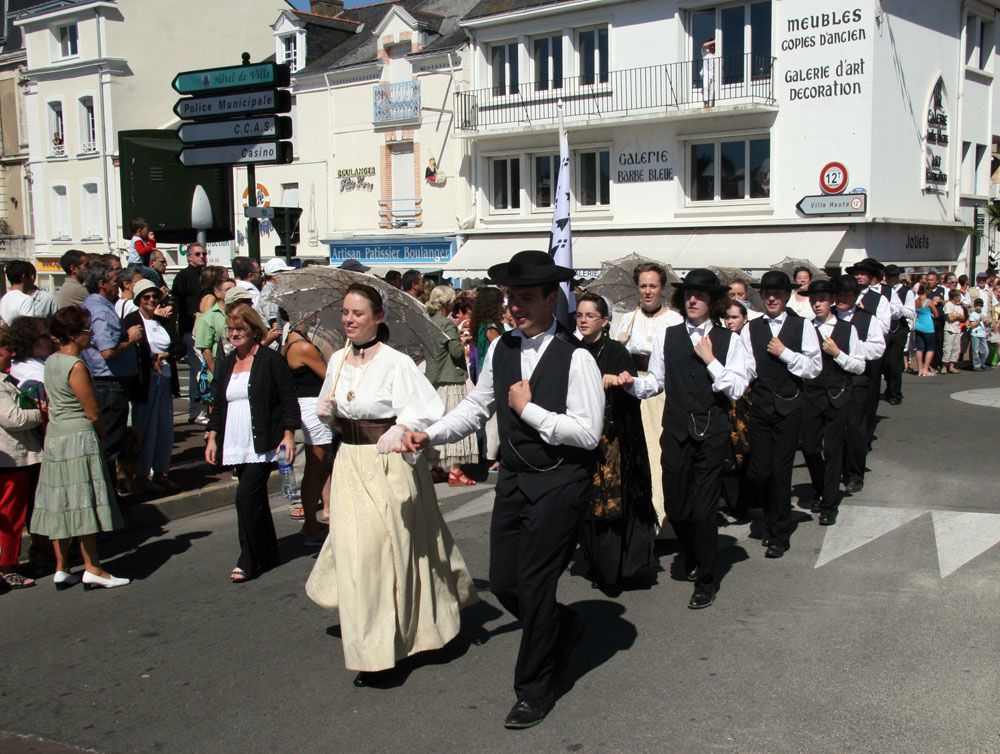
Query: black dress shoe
{"points": [[368, 678], [854, 485], [774, 551], [826, 518], [703, 597], [528, 712]]}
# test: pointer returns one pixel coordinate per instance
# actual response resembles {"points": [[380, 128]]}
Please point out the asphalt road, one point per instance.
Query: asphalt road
{"points": [[880, 634]]}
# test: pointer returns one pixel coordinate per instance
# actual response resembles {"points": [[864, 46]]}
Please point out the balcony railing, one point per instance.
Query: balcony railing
{"points": [[395, 103], [400, 212], [57, 150], [670, 87], [88, 147]]}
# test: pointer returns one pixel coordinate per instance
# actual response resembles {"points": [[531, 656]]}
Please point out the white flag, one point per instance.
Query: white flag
{"points": [[561, 237]]}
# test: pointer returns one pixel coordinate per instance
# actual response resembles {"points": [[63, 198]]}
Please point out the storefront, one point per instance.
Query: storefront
{"points": [[426, 254]]}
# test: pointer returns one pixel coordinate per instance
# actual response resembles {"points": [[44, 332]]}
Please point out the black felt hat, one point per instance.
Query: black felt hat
{"points": [[529, 268], [869, 265], [775, 280], [845, 284], [820, 286], [892, 270], [700, 279]]}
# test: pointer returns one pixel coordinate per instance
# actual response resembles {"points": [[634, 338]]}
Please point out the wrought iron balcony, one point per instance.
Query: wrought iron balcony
{"points": [[396, 103], [658, 89], [400, 212]]}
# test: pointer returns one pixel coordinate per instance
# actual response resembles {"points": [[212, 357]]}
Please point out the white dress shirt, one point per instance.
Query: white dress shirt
{"points": [[14, 304], [805, 365], [731, 380], [579, 427], [883, 312], [874, 344], [853, 359], [907, 309]]}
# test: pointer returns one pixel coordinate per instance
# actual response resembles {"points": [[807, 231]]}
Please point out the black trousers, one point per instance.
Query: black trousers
{"points": [[856, 434], [823, 428], [112, 398], [871, 400], [258, 540], [531, 543], [692, 483], [773, 440], [892, 367], [938, 343]]}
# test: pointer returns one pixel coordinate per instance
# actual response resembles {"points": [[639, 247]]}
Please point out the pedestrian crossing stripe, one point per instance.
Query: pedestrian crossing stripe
{"points": [[961, 537]]}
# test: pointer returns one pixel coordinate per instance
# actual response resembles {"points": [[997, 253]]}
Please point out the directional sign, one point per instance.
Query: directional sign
{"points": [[232, 77], [262, 127], [255, 153], [260, 213], [243, 103], [840, 204]]}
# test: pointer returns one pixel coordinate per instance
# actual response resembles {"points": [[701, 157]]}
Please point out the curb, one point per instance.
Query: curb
{"points": [[184, 504]]}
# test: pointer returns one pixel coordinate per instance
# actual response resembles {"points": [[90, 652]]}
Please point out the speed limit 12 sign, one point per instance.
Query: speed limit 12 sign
{"points": [[833, 178]]}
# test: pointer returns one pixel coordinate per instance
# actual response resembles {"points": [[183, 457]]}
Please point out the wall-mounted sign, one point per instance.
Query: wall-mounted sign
{"points": [[356, 179], [43, 264], [644, 166], [833, 178], [263, 196], [830, 204], [401, 253]]}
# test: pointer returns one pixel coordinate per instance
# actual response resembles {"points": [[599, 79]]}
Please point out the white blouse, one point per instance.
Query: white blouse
{"points": [[389, 385], [159, 341], [237, 445], [645, 331]]}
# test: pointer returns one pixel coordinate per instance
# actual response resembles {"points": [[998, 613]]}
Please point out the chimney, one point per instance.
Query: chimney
{"points": [[328, 8]]}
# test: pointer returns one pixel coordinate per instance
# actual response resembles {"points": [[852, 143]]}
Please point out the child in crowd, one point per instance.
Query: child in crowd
{"points": [[954, 315], [977, 335], [142, 244]]}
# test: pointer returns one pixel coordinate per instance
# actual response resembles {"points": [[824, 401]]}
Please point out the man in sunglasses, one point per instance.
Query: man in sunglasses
{"points": [[186, 292]]}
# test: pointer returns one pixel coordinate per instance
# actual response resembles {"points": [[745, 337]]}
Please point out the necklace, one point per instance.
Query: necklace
{"points": [[652, 313], [360, 347], [357, 377]]}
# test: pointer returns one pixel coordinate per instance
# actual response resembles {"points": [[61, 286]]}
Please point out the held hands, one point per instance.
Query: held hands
{"points": [[625, 379], [519, 396], [775, 347], [704, 351], [414, 442], [392, 440], [326, 410], [830, 348], [610, 381]]}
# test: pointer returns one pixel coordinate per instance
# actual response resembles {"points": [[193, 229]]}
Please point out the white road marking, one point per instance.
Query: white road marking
{"points": [[858, 525], [983, 397], [960, 537]]}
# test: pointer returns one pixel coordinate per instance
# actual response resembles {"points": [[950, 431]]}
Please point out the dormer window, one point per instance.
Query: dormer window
{"points": [[291, 49], [290, 45]]}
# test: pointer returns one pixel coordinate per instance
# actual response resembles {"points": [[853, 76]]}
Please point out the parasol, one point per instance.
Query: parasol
{"points": [[728, 274], [617, 284], [312, 298], [788, 265]]}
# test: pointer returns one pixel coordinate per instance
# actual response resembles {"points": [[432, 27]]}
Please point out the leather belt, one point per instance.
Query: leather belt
{"points": [[363, 431], [641, 361]]}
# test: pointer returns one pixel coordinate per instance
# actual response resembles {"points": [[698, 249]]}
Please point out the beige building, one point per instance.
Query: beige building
{"points": [[97, 67]]}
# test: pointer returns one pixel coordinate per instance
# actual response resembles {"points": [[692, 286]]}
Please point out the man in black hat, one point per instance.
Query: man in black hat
{"points": [[783, 351], [827, 397], [702, 366], [549, 399], [856, 435], [873, 298], [902, 302]]}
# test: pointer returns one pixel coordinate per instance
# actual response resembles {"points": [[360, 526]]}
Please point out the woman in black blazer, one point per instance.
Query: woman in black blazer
{"points": [[152, 393], [254, 414]]}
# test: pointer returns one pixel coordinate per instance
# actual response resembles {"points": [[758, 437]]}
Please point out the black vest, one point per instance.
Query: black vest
{"points": [[834, 383], [540, 467], [862, 322], [692, 407], [776, 390], [899, 324], [869, 301]]}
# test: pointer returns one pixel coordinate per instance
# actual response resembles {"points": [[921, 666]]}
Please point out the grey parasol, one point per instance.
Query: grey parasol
{"points": [[788, 265], [617, 284], [728, 274]]}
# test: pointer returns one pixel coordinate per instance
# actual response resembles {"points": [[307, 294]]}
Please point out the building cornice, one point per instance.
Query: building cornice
{"points": [[114, 66], [524, 14], [44, 17]]}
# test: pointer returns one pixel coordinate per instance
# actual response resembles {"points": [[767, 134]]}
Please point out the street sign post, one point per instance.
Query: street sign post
{"points": [[208, 106], [269, 152], [232, 77], [261, 213], [261, 127], [833, 204]]}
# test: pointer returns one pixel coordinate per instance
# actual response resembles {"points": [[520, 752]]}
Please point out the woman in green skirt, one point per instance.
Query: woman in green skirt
{"points": [[74, 497]]}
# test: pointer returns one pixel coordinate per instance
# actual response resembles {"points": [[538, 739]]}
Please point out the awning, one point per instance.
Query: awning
{"points": [[751, 249]]}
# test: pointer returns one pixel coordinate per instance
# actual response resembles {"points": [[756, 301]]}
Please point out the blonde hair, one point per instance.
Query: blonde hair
{"points": [[244, 314], [443, 296]]}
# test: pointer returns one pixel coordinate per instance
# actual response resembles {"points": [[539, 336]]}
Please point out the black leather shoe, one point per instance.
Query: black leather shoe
{"points": [[854, 485], [826, 518], [774, 551], [703, 597], [363, 679], [528, 712], [367, 678]]}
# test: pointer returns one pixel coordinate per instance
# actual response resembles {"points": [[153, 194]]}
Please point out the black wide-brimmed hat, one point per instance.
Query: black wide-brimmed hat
{"points": [[892, 270], [529, 268], [845, 284], [820, 286], [775, 280], [869, 265], [700, 279]]}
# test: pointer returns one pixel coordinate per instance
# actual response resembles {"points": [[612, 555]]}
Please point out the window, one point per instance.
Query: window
{"points": [[60, 214], [730, 170], [505, 180], [88, 126], [289, 195], [290, 46], [595, 178], [57, 140], [737, 30], [91, 212], [593, 48], [503, 66], [68, 41], [546, 167], [548, 63]]}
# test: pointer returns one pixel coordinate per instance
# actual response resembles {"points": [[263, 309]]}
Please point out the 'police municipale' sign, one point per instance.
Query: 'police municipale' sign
{"points": [[833, 178]]}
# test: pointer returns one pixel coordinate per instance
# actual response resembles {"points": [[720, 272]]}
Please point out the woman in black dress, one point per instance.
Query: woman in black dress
{"points": [[617, 535]]}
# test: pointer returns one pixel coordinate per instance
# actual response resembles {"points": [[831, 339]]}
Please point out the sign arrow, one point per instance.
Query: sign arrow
{"points": [[232, 77], [265, 152], [274, 126], [264, 101], [833, 204]]}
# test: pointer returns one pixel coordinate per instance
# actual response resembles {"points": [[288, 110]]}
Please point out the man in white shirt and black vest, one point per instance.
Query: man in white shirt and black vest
{"points": [[902, 303], [824, 414], [845, 289], [783, 350], [549, 399], [873, 297], [702, 367]]}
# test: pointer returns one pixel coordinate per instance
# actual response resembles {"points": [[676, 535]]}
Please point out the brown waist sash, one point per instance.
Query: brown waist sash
{"points": [[363, 431]]}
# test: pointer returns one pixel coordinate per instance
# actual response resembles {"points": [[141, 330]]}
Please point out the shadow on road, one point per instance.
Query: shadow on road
{"points": [[607, 634], [143, 561]]}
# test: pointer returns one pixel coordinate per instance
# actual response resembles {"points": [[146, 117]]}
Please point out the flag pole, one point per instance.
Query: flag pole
{"points": [[560, 238]]}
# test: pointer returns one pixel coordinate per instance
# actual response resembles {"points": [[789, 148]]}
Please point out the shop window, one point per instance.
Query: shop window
{"points": [[594, 178], [548, 60], [505, 181], [504, 68], [730, 170], [592, 45]]}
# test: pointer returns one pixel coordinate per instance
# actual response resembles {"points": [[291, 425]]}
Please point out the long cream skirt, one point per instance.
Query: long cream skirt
{"points": [[651, 411]]}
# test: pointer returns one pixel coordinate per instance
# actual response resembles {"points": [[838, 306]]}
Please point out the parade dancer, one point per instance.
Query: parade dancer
{"points": [[902, 304], [548, 395], [873, 298], [827, 396], [783, 351], [702, 367]]}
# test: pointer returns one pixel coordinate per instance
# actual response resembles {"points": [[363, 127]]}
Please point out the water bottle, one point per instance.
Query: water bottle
{"points": [[289, 487]]}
